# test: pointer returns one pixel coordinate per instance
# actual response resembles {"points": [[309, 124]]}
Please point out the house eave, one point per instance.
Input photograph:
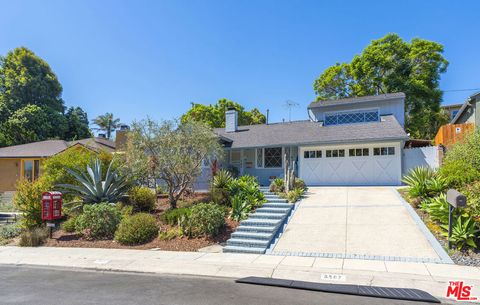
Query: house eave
{"points": [[313, 143]]}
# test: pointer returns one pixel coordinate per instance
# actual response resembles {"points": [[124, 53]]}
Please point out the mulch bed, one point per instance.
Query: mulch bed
{"points": [[64, 239], [460, 257]]}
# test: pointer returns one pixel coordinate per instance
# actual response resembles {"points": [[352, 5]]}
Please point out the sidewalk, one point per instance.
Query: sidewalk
{"points": [[432, 278]]}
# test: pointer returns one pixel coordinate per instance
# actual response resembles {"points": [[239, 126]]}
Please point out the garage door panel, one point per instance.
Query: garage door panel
{"points": [[361, 170]]}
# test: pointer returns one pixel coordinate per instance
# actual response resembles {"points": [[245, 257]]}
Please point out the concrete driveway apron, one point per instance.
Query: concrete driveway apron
{"points": [[355, 222]]}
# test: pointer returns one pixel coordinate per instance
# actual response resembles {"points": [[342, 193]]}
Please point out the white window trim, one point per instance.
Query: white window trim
{"points": [[352, 110], [263, 157]]}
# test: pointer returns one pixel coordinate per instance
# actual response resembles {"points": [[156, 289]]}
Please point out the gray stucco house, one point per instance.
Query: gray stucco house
{"points": [[352, 141], [469, 112]]}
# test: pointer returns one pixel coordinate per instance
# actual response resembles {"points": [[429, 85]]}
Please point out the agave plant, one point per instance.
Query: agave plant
{"points": [[222, 179], [418, 180], [92, 189], [464, 232], [240, 208], [437, 208], [436, 185]]}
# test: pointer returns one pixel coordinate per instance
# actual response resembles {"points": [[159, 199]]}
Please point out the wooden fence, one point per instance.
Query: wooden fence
{"points": [[452, 133]]}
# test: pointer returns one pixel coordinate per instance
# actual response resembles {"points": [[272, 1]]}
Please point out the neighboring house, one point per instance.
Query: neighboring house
{"points": [[465, 120], [469, 112], [352, 141], [25, 161], [452, 110]]}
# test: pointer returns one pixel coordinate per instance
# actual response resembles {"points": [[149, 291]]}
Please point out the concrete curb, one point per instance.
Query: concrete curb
{"points": [[426, 276], [444, 257]]}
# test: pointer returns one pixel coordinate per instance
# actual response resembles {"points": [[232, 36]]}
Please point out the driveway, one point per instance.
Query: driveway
{"points": [[355, 221]]}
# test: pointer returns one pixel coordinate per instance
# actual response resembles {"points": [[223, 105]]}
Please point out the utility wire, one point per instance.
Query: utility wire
{"points": [[457, 90]]}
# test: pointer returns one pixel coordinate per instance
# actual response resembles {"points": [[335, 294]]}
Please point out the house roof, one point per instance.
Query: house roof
{"points": [[308, 132], [357, 100], [452, 106], [95, 143], [465, 105], [37, 149], [44, 149]]}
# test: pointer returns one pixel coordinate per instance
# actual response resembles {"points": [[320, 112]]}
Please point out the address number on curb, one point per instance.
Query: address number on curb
{"points": [[333, 277]]}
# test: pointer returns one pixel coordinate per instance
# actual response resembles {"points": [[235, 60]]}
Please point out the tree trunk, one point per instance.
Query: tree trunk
{"points": [[172, 200]]}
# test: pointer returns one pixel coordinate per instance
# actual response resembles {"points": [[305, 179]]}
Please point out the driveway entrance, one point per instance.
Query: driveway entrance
{"points": [[351, 222]]}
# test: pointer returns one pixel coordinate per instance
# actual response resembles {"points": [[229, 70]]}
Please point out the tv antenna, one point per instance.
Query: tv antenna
{"points": [[289, 104]]}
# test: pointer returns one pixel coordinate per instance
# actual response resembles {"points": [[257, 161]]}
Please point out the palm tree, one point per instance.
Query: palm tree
{"points": [[107, 123]]}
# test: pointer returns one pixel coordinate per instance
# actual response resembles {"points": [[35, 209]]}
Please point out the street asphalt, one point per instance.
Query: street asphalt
{"points": [[35, 285]]}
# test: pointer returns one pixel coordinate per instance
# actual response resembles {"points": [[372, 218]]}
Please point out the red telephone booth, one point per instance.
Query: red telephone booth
{"points": [[51, 205]]}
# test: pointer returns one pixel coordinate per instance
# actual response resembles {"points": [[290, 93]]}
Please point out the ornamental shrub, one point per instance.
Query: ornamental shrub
{"points": [[34, 237], [173, 217], [462, 161], [240, 208], [69, 224], [142, 198], [10, 231], [55, 168], [28, 200], [205, 219], [464, 232], [295, 194], [277, 186], [299, 184], [98, 221], [220, 184], [137, 229], [472, 192], [170, 234], [247, 188], [417, 180]]}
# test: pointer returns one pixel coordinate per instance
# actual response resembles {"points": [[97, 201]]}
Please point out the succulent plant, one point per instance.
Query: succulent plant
{"points": [[93, 189]]}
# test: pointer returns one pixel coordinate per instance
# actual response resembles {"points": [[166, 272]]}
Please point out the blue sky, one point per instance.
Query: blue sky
{"points": [[152, 58]]}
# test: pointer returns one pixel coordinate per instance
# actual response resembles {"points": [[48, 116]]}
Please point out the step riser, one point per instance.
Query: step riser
{"points": [[256, 229], [260, 223], [248, 243], [272, 210], [255, 234], [276, 205], [244, 250], [251, 235], [266, 216]]}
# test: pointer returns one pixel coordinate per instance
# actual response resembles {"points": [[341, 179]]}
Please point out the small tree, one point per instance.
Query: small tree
{"points": [[171, 152]]}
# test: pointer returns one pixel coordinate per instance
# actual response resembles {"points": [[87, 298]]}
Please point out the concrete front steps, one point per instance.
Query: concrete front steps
{"points": [[255, 234]]}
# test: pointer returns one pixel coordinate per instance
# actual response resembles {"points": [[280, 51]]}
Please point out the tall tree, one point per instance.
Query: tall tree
{"points": [[388, 65], [31, 107], [214, 115], [170, 152], [77, 121], [107, 123], [26, 79]]}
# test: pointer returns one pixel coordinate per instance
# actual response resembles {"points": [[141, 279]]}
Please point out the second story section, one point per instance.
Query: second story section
{"points": [[359, 110]]}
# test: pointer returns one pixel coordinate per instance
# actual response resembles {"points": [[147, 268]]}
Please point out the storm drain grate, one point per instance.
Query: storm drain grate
{"points": [[368, 291]]}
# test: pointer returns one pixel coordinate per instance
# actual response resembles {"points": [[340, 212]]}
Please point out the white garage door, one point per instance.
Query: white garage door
{"points": [[372, 164]]}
